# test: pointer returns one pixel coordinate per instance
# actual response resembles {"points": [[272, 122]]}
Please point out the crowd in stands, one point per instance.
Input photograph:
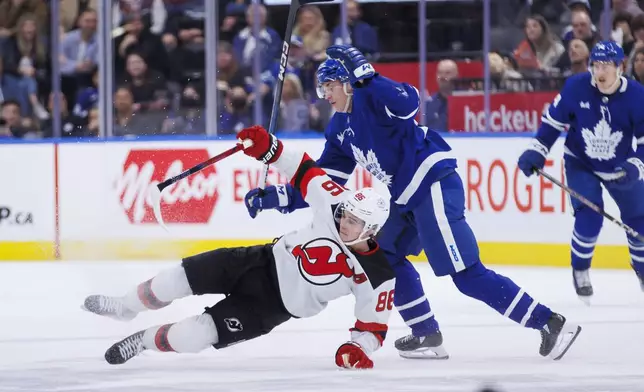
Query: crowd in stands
{"points": [[160, 55]]}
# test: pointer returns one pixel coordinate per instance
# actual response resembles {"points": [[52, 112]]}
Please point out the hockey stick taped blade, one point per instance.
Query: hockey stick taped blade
{"points": [[155, 199]]}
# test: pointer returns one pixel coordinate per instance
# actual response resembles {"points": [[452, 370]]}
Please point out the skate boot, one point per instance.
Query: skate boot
{"points": [[126, 349], [108, 306], [583, 287], [422, 347], [557, 336]]}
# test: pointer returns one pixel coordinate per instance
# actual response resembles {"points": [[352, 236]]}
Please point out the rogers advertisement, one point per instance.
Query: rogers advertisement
{"points": [[510, 112]]}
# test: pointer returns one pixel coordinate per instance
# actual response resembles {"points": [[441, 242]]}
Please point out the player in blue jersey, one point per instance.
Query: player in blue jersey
{"points": [[374, 126], [603, 113]]}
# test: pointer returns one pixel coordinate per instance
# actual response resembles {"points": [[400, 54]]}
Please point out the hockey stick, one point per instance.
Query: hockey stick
{"points": [[286, 46], [155, 193], [629, 230]]}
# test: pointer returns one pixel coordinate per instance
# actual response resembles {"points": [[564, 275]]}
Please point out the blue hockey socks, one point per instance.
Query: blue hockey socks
{"points": [[503, 295], [410, 300], [588, 224]]}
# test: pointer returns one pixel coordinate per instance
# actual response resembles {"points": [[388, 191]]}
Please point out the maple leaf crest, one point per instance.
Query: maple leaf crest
{"points": [[601, 143], [371, 164]]}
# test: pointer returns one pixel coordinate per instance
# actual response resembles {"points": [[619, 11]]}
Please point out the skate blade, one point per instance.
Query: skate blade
{"points": [[113, 317], [566, 338], [435, 353], [586, 299]]}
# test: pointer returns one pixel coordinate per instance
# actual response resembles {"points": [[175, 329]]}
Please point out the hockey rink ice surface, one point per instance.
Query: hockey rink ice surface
{"points": [[47, 343]]}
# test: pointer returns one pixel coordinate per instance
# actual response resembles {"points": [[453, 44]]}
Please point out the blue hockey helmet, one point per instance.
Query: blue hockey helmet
{"points": [[329, 71], [607, 51]]}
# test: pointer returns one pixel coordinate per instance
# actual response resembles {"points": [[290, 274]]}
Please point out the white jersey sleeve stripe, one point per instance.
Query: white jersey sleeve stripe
{"points": [[420, 174], [640, 141], [337, 173], [547, 118], [407, 117]]}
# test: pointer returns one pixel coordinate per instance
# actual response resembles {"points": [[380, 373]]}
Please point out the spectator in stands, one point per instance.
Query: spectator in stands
{"points": [[312, 28], [11, 12], [79, 55], [11, 123], [540, 50], [626, 6], [436, 105], [25, 62], [504, 78], [87, 99], [637, 27], [185, 20], [137, 37], [622, 31], [638, 65], [234, 19], [245, 45], [188, 57], [235, 114], [148, 86], [361, 34], [70, 125], [191, 118], [126, 121], [92, 129], [294, 109], [126, 9], [230, 73], [578, 55], [581, 30], [576, 6]]}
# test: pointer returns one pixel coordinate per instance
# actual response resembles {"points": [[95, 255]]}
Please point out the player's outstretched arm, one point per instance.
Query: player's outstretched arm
{"points": [[287, 199], [398, 100], [374, 301], [314, 185]]}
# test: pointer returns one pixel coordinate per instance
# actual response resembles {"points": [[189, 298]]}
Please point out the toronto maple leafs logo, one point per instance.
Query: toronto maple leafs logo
{"points": [[371, 164], [601, 142]]}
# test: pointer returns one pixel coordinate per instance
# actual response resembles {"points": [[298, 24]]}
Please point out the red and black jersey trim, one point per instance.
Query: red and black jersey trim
{"points": [[379, 330], [307, 170]]}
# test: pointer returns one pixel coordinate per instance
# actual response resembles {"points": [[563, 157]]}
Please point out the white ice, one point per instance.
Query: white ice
{"points": [[47, 343]]}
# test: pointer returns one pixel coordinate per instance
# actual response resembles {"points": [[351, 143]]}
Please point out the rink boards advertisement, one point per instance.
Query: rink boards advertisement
{"points": [[80, 201]]}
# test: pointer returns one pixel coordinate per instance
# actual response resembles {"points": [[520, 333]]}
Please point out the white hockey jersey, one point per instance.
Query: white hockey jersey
{"points": [[314, 266]]}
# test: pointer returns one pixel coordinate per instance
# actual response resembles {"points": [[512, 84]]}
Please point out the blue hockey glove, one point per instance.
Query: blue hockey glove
{"points": [[353, 60], [633, 171], [272, 197], [533, 158]]}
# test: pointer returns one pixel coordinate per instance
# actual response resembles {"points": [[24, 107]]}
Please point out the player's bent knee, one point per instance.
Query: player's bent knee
{"points": [[466, 280], [193, 334], [588, 223]]}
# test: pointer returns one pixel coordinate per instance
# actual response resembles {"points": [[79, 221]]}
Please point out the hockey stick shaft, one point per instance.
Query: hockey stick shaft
{"points": [[286, 46], [629, 230], [162, 185]]}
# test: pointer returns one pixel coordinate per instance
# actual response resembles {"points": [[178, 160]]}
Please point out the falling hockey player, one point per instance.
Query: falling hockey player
{"points": [[266, 285], [374, 126], [603, 112]]}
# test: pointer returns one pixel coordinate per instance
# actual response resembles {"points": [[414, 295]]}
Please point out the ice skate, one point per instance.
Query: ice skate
{"points": [[126, 349], [583, 287], [108, 306], [422, 347], [557, 336]]}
